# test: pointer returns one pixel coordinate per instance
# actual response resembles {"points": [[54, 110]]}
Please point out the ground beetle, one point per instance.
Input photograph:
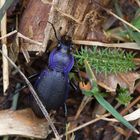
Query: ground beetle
{"points": [[52, 85]]}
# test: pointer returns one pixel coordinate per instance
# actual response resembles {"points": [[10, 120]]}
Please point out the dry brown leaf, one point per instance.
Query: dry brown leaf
{"points": [[110, 81], [23, 123], [125, 80]]}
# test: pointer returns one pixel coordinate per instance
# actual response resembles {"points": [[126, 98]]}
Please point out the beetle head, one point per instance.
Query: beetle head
{"points": [[65, 43]]}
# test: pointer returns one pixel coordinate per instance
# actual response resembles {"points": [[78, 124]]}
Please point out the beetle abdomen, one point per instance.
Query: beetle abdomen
{"points": [[52, 88]]}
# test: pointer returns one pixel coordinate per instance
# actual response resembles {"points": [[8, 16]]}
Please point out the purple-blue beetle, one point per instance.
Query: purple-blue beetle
{"points": [[52, 85]]}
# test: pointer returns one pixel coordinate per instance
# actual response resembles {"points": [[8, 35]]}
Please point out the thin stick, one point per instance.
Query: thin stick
{"points": [[124, 21], [130, 45], [21, 36], [113, 14], [86, 124], [85, 100], [28, 39], [138, 2], [130, 105], [9, 34], [5, 50], [41, 106], [5, 69]]}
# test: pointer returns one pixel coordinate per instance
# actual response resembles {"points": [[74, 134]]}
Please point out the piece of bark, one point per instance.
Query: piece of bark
{"points": [[69, 17], [33, 23], [22, 123], [125, 80]]}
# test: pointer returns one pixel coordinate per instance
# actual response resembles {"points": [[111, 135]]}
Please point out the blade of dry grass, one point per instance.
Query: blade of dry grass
{"points": [[85, 124], [28, 39], [129, 45], [138, 2], [9, 34], [5, 50]]}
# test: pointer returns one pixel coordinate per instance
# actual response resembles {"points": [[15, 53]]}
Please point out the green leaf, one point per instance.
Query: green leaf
{"points": [[87, 92], [102, 101], [5, 7], [136, 20], [106, 61]]}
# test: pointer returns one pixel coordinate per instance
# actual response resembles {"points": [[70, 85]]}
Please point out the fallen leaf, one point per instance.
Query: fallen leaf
{"points": [[110, 81], [125, 80], [22, 123]]}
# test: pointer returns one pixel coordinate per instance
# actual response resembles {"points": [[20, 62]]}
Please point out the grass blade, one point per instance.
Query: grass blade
{"points": [[102, 101]]}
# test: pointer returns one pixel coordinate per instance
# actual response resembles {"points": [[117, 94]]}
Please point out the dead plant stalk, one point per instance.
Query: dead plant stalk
{"points": [[5, 50]]}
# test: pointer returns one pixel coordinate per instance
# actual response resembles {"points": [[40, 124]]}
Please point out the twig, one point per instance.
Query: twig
{"points": [[28, 39], [5, 50], [85, 100], [86, 124], [113, 14], [130, 45], [41, 106], [9, 34], [5, 69], [124, 21], [130, 105], [21, 36], [138, 2]]}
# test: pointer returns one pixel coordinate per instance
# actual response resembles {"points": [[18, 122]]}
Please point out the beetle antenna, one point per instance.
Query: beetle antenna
{"points": [[54, 31]]}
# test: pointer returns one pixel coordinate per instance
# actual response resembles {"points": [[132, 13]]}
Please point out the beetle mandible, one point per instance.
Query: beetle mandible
{"points": [[52, 84]]}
